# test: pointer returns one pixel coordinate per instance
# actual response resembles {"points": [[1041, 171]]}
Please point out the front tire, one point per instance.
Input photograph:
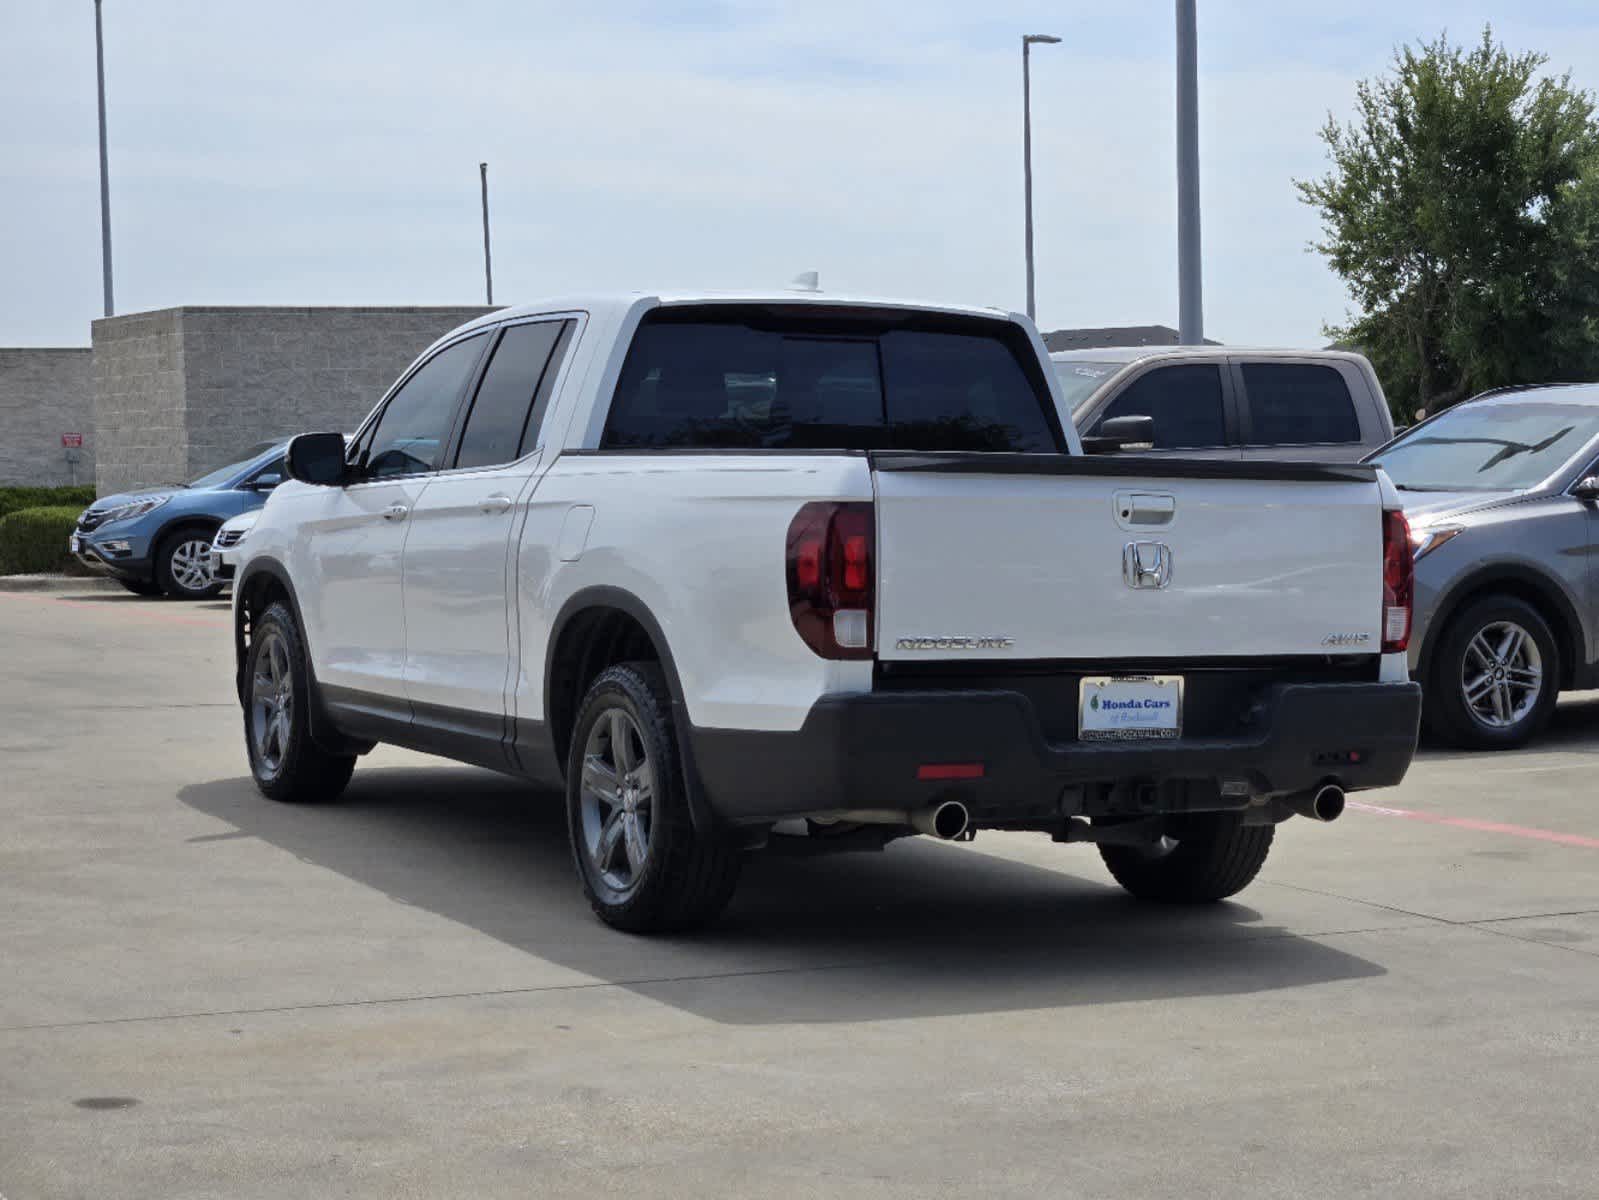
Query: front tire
{"points": [[286, 763], [643, 865], [1494, 677], [1207, 857], [183, 565]]}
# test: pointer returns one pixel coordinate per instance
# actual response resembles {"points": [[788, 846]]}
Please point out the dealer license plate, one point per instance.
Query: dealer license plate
{"points": [[1129, 706], [75, 544]]}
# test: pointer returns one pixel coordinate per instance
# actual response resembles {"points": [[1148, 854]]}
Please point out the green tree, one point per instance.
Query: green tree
{"points": [[1462, 210]]}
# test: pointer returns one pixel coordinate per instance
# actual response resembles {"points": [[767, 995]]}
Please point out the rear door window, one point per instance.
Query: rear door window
{"points": [[757, 380], [504, 421], [1184, 399], [1298, 404]]}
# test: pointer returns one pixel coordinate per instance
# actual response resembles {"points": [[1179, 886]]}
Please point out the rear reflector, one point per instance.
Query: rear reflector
{"points": [[950, 771]]}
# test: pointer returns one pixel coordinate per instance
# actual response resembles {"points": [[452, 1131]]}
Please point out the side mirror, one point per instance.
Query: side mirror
{"points": [[1587, 489], [264, 483], [1121, 433], [317, 458]]}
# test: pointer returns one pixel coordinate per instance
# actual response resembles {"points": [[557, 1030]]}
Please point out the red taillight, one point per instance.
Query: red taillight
{"points": [[830, 578], [1398, 581]]}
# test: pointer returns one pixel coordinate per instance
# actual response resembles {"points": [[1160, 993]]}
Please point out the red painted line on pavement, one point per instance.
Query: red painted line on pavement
{"points": [[1537, 835], [123, 610]]}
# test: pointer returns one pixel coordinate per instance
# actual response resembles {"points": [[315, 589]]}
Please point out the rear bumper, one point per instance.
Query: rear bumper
{"points": [[863, 752]]}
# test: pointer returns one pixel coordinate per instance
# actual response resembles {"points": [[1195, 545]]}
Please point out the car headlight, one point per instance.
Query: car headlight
{"points": [[126, 512], [1427, 538]]}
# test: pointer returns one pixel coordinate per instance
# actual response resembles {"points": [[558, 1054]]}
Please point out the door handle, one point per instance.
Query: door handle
{"points": [[395, 512], [496, 503]]}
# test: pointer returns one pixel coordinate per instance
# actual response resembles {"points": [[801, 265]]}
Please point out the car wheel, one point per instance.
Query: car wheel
{"points": [[643, 865], [1494, 676], [140, 587], [286, 763], [1207, 857], [183, 565]]}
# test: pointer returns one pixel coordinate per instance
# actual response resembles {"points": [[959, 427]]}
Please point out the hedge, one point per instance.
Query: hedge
{"points": [[34, 541], [12, 499]]}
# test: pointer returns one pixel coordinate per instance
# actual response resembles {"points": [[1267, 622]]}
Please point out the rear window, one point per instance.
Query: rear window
{"points": [[849, 381], [1298, 404]]}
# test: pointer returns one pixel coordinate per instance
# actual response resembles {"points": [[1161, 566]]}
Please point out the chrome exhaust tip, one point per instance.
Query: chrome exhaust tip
{"points": [[946, 821], [1322, 803]]}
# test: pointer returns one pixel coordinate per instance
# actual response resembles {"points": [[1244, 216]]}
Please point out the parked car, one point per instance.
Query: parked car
{"points": [[225, 545], [157, 540], [722, 567], [1501, 495], [1226, 402]]}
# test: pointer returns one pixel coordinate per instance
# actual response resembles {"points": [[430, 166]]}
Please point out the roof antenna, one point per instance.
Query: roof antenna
{"points": [[806, 281]]}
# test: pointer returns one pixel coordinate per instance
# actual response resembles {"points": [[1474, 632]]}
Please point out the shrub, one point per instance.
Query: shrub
{"points": [[14, 498], [34, 540]]}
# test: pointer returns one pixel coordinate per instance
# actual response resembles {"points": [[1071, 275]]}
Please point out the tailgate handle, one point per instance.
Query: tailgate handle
{"points": [[1145, 509]]}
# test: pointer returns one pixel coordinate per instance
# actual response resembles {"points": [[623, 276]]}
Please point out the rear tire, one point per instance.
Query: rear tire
{"points": [[1468, 655], [182, 565], [1207, 857], [643, 865], [140, 587], [286, 763]]}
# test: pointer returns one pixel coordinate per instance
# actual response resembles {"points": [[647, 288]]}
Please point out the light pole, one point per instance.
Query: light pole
{"points": [[1190, 294], [1027, 153], [105, 182], [488, 273]]}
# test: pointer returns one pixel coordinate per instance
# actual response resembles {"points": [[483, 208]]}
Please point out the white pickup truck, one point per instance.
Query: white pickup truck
{"points": [[813, 573]]}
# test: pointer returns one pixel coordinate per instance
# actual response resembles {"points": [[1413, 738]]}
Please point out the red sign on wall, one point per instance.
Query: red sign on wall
{"points": [[72, 441]]}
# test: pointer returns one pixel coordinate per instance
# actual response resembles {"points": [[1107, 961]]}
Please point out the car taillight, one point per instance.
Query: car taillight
{"points": [[830, 584], [1398, 581]]}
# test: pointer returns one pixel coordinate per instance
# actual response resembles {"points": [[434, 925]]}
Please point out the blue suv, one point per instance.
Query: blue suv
{"points": [[159, 539]]}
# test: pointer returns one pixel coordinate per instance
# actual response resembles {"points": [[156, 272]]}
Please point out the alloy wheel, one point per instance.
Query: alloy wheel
{"points": [[191, 565], [1501, 675], [271, 702], [617, 800]]}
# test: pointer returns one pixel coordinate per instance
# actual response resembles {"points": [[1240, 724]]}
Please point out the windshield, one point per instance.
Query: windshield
{"points": [[227, 470], [1505, 446], [1079, 380]]}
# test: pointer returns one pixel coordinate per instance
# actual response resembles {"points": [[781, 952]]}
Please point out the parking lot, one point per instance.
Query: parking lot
{"points": [[404, 994]]}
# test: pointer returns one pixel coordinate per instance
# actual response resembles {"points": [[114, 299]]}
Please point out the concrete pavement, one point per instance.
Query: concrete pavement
{"points": [[403, 994]]}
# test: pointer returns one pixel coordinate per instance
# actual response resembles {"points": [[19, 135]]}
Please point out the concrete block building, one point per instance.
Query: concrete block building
{"points": [[180, 390], [46, 400]]}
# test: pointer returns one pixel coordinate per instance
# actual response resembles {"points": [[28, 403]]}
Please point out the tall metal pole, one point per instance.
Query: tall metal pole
{"points": [[1027, 170], [1190, 292], [1027, 154], [105, 180], [488, 271]]}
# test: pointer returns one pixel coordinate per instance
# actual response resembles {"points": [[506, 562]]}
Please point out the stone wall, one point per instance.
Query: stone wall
{"points": [[43, 394], [183, 390]]}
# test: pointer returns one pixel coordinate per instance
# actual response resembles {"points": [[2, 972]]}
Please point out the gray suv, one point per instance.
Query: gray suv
{"points": [[1501, 494]]}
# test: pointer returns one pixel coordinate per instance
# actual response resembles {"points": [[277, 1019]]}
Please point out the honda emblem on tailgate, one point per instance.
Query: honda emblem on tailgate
{"points": [[1146, 564]]}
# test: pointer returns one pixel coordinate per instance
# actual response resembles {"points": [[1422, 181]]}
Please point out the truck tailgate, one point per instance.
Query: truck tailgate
{"points": [[1016, 556]]}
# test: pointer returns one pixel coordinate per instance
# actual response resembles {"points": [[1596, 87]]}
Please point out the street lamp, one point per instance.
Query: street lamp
{"points": [[105, 183], [1028, 39]]}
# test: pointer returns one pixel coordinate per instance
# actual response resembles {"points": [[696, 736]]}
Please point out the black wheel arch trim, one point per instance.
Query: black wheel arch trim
{"points": [[1567, 625], [196, 520], [324, 732], [606, 596]]}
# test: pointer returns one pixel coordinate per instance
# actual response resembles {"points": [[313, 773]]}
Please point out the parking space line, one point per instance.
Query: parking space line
{"points": [[1477, 826], [136, 614]]}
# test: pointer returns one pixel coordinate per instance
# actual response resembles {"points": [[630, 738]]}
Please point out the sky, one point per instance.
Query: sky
{"points": [[291, 152]]}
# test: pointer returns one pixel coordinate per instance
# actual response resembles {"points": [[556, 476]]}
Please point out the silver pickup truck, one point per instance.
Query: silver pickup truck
{"points": [[1230, 403]]}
